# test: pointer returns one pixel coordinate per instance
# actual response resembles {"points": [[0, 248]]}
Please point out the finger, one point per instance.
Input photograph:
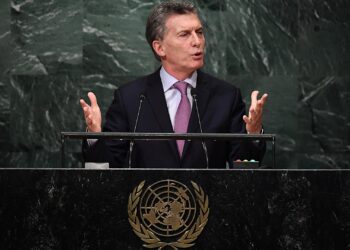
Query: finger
{"points": [[263, 99], [260, 104], [259, 107], [86, 108], [246, 119], [254, 97], [252, 113], [255, 118], [87, 113], [83, 103], [89, 120], [93, 99]]}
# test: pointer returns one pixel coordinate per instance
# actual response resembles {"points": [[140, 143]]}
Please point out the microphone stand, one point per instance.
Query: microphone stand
{"points": [[142, 97], [204, 145]]}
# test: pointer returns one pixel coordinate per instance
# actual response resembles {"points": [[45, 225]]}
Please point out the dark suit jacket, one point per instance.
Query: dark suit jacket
{"points": [[221, 110]]}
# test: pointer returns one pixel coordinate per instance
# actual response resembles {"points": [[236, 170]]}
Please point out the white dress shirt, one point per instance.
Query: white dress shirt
{"points": [[172, 95]]}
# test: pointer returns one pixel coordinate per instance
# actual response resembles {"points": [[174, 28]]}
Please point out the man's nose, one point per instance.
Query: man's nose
{"points": [[196, 40]]}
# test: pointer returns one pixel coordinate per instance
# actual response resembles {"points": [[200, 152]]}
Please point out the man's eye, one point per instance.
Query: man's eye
{"points": [[200, 32], [183, 34]]}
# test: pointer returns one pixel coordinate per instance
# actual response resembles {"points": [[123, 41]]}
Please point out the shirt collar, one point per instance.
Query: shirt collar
{"points": [[168, 80]]}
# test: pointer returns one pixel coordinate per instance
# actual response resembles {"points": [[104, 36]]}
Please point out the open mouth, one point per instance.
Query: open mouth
{"points": [[197, 56]]}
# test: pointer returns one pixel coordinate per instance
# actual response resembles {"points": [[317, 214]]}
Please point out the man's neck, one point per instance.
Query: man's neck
{"points": [[177, 74]]}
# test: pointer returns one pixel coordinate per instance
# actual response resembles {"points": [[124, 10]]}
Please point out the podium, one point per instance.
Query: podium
{"points": [[143, 136], [235, 209]]}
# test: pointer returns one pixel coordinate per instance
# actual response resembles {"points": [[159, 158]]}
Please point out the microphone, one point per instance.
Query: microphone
{"points": [[204, 145], [141, 99]]}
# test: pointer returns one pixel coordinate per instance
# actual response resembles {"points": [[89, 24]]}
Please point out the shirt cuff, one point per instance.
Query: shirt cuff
{"points": [[90, 142]]}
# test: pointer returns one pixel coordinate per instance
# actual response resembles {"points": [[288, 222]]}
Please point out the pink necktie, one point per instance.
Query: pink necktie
{"points": [[182, 114]]}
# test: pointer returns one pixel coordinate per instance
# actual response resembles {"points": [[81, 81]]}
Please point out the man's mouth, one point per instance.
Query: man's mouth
{"points": [[197, 55]]}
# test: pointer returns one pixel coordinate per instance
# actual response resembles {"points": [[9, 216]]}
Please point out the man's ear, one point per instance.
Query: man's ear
{"points": [[158, 48]]}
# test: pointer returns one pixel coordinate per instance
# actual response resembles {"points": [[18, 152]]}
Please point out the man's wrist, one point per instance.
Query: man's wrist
{"points": [[87, 130], [260, 132]]}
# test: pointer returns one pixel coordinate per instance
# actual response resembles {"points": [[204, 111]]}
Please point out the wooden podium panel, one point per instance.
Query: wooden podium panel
{"points": [[245, 209]]}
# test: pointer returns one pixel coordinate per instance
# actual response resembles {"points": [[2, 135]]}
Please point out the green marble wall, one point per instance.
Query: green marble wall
{"points": [[53, 52]]}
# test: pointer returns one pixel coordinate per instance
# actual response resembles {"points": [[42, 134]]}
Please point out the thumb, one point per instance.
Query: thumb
{"points": [[246, 119], [93, 99]]}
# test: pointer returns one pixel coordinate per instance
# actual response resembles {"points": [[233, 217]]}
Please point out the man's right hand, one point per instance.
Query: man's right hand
{"points": [[92, 113]]}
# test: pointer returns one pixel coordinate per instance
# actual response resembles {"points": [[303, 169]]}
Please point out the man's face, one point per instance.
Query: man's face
{"points": [[182, 47]]}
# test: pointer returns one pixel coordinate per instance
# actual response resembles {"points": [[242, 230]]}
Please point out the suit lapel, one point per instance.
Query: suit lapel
{"points": [[155, 96]]}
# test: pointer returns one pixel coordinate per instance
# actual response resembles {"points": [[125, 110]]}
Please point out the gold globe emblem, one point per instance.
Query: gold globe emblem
{"points": [[168, 214], [167, 208]]}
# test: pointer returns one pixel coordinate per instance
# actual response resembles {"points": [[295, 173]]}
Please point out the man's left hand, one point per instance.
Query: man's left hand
{"points": [[253, 122]]}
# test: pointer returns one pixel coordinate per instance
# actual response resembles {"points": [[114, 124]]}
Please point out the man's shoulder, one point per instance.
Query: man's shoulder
{"points": [[139, 84], [216, 83]]}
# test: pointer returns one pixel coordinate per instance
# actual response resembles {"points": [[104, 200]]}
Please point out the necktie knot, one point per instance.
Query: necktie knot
{"points": [[182, 87]]}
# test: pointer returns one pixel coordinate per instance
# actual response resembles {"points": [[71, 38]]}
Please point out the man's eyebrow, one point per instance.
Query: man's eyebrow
{"points": [[184, 29]]}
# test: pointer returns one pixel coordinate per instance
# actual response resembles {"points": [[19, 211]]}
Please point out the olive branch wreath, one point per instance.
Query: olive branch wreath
{"points": [[150, 239]]}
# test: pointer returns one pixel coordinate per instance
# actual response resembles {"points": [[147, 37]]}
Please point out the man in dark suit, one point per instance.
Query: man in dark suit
{"points": [[176, 37]]}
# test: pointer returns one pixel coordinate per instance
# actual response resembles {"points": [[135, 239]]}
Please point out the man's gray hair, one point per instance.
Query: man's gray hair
{"points": [[155, 27]]}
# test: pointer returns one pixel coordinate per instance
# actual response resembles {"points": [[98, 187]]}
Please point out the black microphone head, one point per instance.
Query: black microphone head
{"points": [[142, 96], [194, 93]]}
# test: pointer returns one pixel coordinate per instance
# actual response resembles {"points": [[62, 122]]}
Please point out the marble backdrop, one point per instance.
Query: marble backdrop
{"points": [[53, 52]]}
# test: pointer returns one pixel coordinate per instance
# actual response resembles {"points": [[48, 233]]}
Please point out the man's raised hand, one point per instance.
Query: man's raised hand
{"points": [[92, 113], [254, 120]]}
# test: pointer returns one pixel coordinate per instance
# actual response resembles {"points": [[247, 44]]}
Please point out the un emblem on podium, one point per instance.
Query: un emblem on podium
{"points": [[166, 213]]}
